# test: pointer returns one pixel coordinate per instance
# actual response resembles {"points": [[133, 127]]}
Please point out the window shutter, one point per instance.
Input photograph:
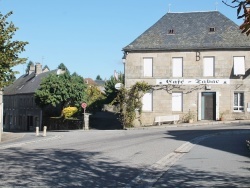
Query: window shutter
{"points": [[147, 102], [208, 68], [148, 67], [239, 66], [177, 102], [177, 67]]}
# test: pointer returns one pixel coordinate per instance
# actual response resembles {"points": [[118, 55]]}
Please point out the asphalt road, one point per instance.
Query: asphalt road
{"points": [[199, 156]]}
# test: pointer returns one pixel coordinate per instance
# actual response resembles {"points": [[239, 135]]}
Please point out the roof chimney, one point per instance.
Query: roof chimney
{"points": [[31, 68], [38, 68]]}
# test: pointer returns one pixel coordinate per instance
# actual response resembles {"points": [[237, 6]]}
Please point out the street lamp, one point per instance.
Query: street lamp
{"points": [[124, 58]]}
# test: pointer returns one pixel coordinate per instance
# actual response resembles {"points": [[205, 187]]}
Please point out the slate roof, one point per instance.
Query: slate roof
{"points": [[100, 82], [191, 31], [26, 84], [90, 81]]}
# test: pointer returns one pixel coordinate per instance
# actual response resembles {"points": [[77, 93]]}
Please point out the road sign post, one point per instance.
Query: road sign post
{"points": [[85, 117], [84, 106]]}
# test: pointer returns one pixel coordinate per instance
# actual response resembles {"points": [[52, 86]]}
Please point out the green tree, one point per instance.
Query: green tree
{"points": [[98, 77], [62, 90], [130, 101], [9, 51], [94, 98], [62, 67], [46, 67], [28, 66], [242, 12], [109, 86]]}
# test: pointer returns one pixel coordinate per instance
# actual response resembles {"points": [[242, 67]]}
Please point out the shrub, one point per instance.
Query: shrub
{"points": [[69, 112]]}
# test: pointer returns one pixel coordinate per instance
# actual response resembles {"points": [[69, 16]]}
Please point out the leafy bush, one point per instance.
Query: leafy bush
{"points": [[69, 111], [129, 101]]}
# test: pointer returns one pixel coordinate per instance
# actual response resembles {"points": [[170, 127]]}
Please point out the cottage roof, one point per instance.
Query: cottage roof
{"points": [[27, 83], [191, 31]]}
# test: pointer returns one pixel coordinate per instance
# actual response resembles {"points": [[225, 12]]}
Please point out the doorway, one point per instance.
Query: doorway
{"points": [[208, 106]]}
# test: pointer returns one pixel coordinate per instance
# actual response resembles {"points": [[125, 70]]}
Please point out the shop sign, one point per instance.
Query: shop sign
{"points": [[191, 81]]}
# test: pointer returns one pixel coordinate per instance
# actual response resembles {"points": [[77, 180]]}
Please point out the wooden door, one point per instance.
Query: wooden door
{"points": [[209, 105]]}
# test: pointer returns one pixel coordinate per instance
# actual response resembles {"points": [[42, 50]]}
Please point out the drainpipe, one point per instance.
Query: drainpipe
{"points": [[124, 64]]}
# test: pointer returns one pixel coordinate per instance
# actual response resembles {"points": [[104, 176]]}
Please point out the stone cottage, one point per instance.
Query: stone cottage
{"points": [[196, 62]]}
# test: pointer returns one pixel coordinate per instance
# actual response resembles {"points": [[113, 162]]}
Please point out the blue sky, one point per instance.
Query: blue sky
{"points": [[88, 35]]}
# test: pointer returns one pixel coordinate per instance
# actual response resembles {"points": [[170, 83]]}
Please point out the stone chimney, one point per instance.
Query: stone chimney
{"points": [[31, 68], [38, 69]]}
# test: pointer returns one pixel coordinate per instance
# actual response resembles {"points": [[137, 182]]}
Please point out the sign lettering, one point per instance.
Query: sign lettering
{"points": [[191, 81]]}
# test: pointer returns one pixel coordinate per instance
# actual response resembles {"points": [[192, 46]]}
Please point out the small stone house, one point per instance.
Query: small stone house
{"points": [[196, 62], [20, 110]]}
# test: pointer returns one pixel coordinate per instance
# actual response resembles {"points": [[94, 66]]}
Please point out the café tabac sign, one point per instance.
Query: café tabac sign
{"points": [[191, 81]]}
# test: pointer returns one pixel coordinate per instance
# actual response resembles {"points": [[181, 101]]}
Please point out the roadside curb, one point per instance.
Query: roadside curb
{"points": [[33, 140], [191, 124], [11, 136]]}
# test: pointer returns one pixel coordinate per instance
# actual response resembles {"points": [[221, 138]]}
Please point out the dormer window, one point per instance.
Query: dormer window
{"points": [[170, 31], [211, 29]]}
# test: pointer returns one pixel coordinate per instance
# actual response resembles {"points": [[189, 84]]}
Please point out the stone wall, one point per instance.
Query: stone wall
{"points": [[192, 69]]}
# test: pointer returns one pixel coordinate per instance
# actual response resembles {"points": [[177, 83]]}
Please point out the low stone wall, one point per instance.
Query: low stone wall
{"points": [[62, 124]]}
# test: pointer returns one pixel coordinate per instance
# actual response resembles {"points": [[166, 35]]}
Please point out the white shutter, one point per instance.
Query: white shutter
{"points": [[147, 102], [177, 102], [239, 65], [217, 105], [199, 106], [208, 68], [148, 67], [177, 67]]}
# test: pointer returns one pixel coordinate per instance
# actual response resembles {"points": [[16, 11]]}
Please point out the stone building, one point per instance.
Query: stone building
{"points": [[20, 110], [197, 62]]}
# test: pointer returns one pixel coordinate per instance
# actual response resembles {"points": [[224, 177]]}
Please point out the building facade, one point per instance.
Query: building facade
{"points": [[196, 62], [20, 110]]}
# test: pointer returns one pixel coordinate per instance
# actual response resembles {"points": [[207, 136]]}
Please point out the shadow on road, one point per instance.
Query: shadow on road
{"points": [[193, 172], [61, 168], [180, 176], [237, 143]]}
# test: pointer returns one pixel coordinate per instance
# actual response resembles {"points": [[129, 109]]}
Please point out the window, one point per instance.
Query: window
{"points": [[177, 102], [211, 29], [170, 31], [29, 121], [20, 121], [177, 66], [208, 66], [148, 67], [238, 102], [147, 102], [239, 66]]}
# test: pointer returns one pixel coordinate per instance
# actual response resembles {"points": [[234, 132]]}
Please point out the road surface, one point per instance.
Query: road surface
{"points": [[197, 156]]}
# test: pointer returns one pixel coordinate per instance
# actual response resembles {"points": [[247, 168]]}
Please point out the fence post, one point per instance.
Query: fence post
{"points": [[44, 130], [86, 121], [37, 131]]}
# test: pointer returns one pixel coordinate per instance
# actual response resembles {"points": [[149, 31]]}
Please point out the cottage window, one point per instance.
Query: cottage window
{"points": [[20, 121], [208, 66], [238, 102], [211, 29], [170, 31], [147, 102], [148, 67], [177, 65], [239, 66], [177, 99]]}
